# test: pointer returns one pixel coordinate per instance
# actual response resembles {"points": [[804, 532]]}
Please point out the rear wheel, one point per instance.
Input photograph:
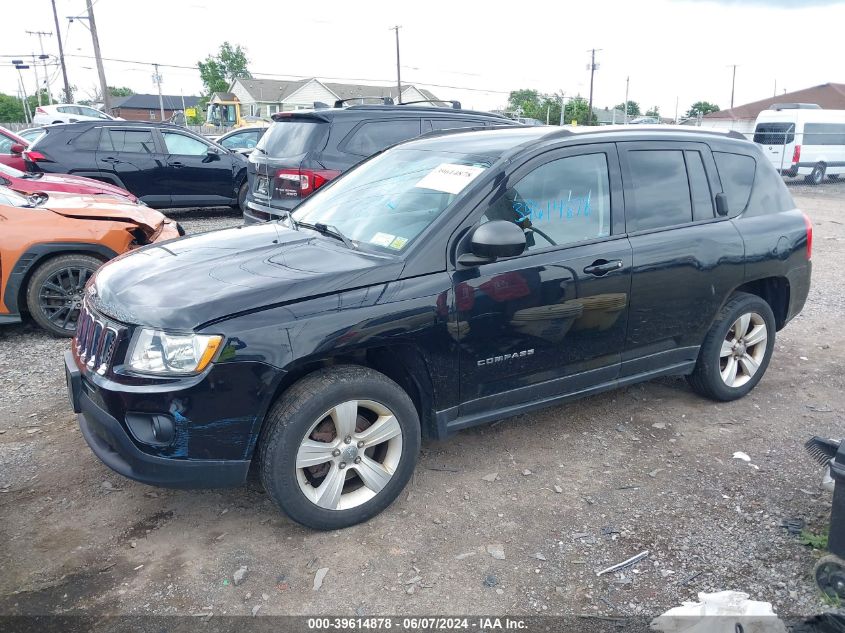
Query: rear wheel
{"points": [[55, 291], [736, 350], [242, 191], [816, 176], [339, 446]]}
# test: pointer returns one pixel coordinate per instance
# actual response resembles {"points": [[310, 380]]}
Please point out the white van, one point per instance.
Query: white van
{"points": [[802, 139]]}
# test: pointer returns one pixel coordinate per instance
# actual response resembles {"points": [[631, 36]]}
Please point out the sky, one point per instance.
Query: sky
{"points": [[472, 51]]}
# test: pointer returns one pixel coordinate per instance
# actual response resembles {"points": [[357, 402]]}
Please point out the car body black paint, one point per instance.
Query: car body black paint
{"points": [[157, 177], [288, 301]]}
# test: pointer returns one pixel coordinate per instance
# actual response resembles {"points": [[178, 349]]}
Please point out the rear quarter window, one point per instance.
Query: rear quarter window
{"points": [[769, 194], [374, 136], [88, 140], [736, 171]]}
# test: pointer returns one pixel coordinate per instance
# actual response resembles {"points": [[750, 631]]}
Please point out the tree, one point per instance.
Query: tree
{"points": [[11, 109], [633, 108], [700, 108], [578, 109], [218, 71], [121, 92], [524, 102], [655, 111]]}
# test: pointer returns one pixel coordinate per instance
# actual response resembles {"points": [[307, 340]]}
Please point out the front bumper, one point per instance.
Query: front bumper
{"points": [[111, 443]]}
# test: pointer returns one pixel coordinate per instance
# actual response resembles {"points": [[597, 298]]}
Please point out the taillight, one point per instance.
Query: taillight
{"points": [[796, 154], [33, 156], [302, 182], [809, 226], [40, 110]]}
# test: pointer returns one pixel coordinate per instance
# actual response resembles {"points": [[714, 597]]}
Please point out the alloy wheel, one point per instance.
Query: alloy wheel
{"points": [[349, 454], [60, 296], [743, 349]]}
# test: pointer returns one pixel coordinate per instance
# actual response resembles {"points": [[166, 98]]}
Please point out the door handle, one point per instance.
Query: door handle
{"points": [[176, 165], [602, 267], [109, 159]]}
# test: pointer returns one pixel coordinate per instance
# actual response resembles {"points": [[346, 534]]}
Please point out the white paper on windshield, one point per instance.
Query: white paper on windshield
{"points": [[449, 177], [382, 239]]}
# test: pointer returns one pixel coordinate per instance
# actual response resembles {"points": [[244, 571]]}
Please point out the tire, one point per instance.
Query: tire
{"points": [[833, 177], [712, 374], [816, 177], [54, 292], [314, 410], [242, 191]]}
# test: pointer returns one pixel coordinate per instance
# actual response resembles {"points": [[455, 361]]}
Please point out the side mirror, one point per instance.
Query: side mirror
{"points": [[494, 239], [722, 204], [17, 149]]}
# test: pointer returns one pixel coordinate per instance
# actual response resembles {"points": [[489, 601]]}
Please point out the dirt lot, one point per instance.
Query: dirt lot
{"points": [[579, 487]]}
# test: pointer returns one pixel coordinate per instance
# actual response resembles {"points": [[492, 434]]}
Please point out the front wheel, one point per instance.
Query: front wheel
{"points": [[339, 446], [736, 350], [55, 291], [242, 191]]}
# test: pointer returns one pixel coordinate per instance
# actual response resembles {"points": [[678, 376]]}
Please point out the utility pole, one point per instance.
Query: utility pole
{"points": [[19, 65], [593, 67], [68, 94], [627, 85], [43, 59], [398, 74], [733, 84], [104, 87], [157, 79], [676, 110]]}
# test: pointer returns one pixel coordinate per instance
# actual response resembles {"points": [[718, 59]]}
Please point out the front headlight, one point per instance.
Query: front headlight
{"points": [[168, 354]]}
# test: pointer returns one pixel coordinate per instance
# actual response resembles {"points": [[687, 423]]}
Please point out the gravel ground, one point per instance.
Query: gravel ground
{"points": [[576, 488]]}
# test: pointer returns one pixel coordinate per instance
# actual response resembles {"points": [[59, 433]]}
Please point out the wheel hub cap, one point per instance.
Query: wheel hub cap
{"points": [[349, 453]]}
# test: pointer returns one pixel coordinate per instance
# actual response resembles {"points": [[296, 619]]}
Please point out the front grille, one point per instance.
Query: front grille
{"points": [[96, 340]]}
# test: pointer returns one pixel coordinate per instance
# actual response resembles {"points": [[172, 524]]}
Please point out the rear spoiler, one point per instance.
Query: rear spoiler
{"points": [[299, 114]]}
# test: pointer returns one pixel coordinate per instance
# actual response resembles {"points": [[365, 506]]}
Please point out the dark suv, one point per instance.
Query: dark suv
{"points": [[445, 282], [164, 165], [303, 150]]}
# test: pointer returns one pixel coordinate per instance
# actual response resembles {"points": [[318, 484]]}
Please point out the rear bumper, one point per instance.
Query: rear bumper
{"points": [[257, 212], [111, 443]]}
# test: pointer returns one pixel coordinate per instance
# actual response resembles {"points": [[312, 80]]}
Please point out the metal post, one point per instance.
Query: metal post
{"points": [[157, 79], [592, 75], [733, 85], [37, 83], [104, 87], [68, 93], [627, 85], [562, 108], [398, 72]]}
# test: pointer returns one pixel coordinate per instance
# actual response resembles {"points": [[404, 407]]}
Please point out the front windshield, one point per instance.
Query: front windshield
{"points": [[392, 198]]}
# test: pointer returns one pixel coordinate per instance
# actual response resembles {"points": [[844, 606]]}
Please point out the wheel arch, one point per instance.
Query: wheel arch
{"points": [[14, 295], [403, 364], [773, 290]]}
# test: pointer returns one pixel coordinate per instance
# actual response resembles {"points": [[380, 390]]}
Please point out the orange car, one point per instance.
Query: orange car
{"points": [[50, 247]]}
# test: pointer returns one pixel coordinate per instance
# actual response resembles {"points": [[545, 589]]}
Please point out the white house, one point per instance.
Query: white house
{"points": [[263, 97]]}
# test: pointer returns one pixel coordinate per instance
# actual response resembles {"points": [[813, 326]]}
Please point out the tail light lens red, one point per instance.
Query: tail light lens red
{"points": [[796, 154], [302, 182], [40, 110], [34, 156], [809, 226]]}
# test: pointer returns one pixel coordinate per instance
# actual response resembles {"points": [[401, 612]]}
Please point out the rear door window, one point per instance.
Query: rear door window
{"points": [[736, 171], [374, 136], [132, 141], [657, 192], [183, 145], [292, 137], [88, 140]]}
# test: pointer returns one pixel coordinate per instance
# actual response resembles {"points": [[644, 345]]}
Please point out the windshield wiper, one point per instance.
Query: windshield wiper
{"points": [[293, 223], [330, 230]]}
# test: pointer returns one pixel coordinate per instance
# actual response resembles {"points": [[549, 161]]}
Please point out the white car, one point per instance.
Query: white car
{"points": [[67, 113]]}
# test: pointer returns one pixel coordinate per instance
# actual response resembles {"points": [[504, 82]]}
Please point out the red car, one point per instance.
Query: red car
{"points": [[26, 183], [11, 148]]}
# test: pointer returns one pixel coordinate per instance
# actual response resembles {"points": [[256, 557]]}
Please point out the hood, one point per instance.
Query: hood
{"points": [[103, 208], [183, 284], [93, 186]]}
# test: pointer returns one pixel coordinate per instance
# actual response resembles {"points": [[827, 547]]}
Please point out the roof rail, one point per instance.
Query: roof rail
{"points": [[319, 105], [385, 100], [456, 105], [737, 134]]}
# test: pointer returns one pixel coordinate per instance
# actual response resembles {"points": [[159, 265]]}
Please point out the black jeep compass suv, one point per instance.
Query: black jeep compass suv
{"points": [[448, 281]]}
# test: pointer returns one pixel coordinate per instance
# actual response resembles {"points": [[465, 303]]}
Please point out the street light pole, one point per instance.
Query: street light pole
{"points": [[398, 73]]}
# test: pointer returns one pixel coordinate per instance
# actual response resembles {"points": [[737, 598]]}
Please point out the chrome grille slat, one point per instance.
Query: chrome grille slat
{"points": [[96, 340]]}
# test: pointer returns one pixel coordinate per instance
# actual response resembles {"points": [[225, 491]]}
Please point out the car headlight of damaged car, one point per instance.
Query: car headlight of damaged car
{"points": [[171, 354]]}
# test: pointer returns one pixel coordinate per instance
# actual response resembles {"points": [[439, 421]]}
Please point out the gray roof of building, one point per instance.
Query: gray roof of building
{"points": [[150, 102]]}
